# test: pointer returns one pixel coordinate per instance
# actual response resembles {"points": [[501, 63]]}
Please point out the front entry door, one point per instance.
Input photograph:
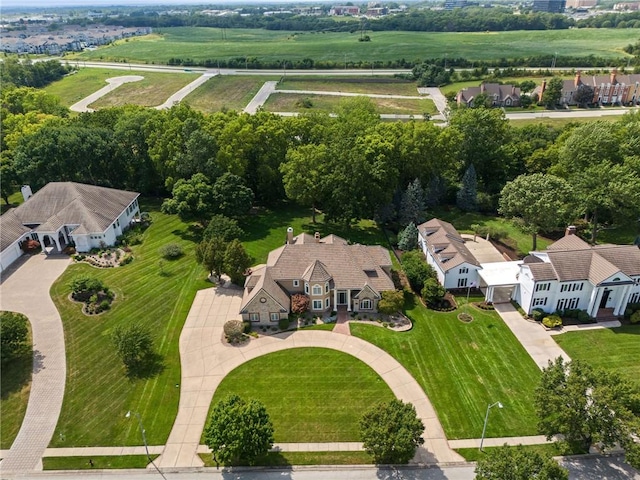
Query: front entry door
{"points": [[342, 298], [605, 297]]}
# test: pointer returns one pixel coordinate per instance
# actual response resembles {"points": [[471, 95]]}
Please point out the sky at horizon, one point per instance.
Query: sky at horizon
{"points": [[13, 4]]}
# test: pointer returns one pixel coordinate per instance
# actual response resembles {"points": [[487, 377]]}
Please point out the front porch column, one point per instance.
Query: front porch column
{"points": [[593, 308], [348, 300], [335, 299], [64, 235], [622, 302], [489, 295]]}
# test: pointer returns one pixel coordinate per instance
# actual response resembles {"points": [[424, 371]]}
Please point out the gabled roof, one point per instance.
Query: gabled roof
{"points": [[445, 244], [542, 272], [569, 242], [56, 204], [11, 228], [264, 285], [316, 272]]}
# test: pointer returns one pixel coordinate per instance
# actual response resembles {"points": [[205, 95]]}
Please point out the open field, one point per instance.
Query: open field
{"points": [[99, 462], [15, 385], [154, 90], [563, 122], [201, 43], [283, 459], [463, 367], [311, 394], [292, 102], [232, 92], [616, 349], [268, 230], [98, 392], [361, 84]]}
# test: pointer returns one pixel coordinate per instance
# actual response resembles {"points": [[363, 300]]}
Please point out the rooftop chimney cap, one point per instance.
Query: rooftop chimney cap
{"points": [[290, 230]]}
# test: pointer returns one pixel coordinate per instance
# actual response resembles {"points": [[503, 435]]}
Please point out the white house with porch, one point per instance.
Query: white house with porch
{"points": [[61, 213], [445, 251], [570, 274]]}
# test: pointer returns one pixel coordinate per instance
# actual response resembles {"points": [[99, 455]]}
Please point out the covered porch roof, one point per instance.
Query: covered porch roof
{"points": [[499, 274]]}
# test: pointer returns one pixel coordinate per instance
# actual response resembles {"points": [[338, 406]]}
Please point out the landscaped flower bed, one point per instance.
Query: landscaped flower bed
{"points": [[106, 258], [95, 296]]}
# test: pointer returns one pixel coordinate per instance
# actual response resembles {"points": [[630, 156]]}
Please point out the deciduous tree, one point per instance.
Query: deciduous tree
{"points": [[391, 432], [191, 199], [134, 345], [210, 253], [223, 227], [552, 93], [13, 336], [391, 301], [236, 261], [231, 197], [518, 463]]}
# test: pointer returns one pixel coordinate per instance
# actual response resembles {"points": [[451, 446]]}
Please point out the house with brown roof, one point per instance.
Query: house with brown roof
{"points": [[63, 213], [446, 252], [331, 272], [571, 274], [499, 95]]}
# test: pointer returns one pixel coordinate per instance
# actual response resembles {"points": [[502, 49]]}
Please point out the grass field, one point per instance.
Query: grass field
{"points": [[463, 367], [98, 393], [463, 221], [232, 92], [15, 385], [548, 449], [201, 43], [311, 394], [562, 122], [154, 90], [362, 84], [616, 349], [288, 102], [99, 462], [283, 459], [267, 231]]}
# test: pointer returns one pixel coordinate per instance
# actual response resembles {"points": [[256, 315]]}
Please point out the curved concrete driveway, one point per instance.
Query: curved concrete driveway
{"points": [[25, 289], [115, 82], [206, 361]]}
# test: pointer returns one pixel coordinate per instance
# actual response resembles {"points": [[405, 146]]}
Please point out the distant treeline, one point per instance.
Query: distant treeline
{"points": [[459, 20], [27, 74], [539, 61]]}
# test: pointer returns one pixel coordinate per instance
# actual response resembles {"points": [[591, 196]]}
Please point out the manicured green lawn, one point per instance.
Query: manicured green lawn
{"points": [[98, 393], [311, 394], [552, 449], [615, 349], [201, 43], [517, 238], [283, 459], [268, 230], [99, 462], [463, 367], [291, 102], [361, 84], [15, 385], [232, 92], [562, 122]]}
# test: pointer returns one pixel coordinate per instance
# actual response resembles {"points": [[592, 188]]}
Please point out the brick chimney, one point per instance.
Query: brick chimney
{"points": [[612, 77], [571, 230], [290, 236], [482, 88], [317, 237], [577, 81]]}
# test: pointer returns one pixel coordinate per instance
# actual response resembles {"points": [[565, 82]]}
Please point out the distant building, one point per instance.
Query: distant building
{"points": [[452, 4], [344, 10], [500, 95], [626, 6], [550, 6], [576, 4]]}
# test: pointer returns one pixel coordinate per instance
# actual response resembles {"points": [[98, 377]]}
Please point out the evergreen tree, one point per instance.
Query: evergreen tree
{"points": [[413, 206], [467, 197], [408, 238], [435, 191]]}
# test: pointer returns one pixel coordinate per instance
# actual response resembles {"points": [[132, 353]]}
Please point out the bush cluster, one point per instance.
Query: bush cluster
{"points": [[234, 331], [552, 321], [171, 251]]}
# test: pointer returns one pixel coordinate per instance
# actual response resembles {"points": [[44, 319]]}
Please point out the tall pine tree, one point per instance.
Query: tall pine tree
{"points": [[412, 209], [467, 196]]}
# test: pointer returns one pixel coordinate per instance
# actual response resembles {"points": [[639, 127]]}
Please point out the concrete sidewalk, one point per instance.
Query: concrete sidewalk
{"points": [[25, 289], [206, 360], [113, 83], [536, 341], [184, 91], [498, 442]]}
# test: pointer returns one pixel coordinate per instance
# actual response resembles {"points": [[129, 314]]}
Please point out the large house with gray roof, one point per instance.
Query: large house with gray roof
{"points": [[330, 271], [445, 251], [61, 213]]}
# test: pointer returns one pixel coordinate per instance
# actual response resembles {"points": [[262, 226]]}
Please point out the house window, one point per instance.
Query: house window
{"points": [[365, 304], [327, 303], [539, 302], [317, 290], [296, 283], [464, 270], [275, 316], [635, 298], [462, 282], [317, 304], [254, 317], [542, 287], [306, 288], [567, 303], [326, 287]]}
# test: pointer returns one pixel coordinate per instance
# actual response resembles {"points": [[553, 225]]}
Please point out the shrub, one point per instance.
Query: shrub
{"points": [[417, 269], [433, 292], [105, 305], [14, 334], [299, 303], [233, 330], [283, 324], [391, 301], [246, 327], [552, 321], [635, 318], [85, 286], [133, 343], [171, 251], [538, 314], [583, 316]]}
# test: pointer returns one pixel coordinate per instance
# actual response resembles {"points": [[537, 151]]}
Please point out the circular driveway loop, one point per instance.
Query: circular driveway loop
{"points": [[206, 361], [25, 289]]}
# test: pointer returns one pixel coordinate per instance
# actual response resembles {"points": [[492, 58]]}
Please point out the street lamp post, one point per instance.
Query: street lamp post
{"points": [[486, 419], [144, 439]]}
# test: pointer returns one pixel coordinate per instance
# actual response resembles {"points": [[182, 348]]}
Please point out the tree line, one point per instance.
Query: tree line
{"points": [[28, 74], [350, 166]]}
